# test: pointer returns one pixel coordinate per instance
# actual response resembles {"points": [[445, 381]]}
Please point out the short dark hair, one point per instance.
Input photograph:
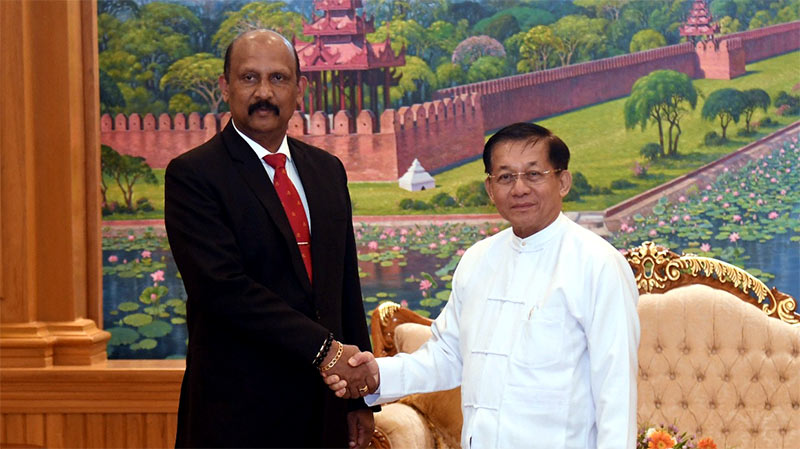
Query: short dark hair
{"points": [[557, 151], [226, 65]]}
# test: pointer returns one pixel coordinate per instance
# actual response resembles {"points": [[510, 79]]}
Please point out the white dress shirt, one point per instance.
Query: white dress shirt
{"points": [[542, 335], [291, 170]]}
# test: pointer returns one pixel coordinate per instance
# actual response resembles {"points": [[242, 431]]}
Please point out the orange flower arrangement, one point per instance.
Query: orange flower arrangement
{"points": [[706, 443], [660, 439], [668, 437]]}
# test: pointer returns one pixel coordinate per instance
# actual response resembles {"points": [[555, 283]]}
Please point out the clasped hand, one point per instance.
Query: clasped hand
{"points": [[354, 375]]}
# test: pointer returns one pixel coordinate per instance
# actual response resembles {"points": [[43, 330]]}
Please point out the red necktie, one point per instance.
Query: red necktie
{"points": [[292, 206]]}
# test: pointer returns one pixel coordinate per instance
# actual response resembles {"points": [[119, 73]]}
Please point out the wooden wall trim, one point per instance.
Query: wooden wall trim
{"points": [[117, 386]]}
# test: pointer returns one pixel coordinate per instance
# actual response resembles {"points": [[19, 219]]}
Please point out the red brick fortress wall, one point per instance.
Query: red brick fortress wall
{"points": [[548, 92], [768, 41], [156, 141], [438, 133]]}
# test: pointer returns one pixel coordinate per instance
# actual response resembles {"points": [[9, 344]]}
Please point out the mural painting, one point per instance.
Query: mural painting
{"points": [[402, 88]]}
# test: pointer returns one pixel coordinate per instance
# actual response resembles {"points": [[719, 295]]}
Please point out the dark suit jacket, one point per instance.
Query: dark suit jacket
{"points": [[255, 321]]}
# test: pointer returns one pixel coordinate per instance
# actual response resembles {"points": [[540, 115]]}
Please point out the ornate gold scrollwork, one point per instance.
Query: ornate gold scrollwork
{"points": [[658, 269]]}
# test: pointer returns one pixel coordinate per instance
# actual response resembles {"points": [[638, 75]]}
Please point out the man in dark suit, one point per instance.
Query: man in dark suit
{"points": [[268, 305]]}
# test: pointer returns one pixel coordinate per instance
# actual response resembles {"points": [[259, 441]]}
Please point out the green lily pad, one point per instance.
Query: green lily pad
{"points": [[122, 336], [156, 329], [137, 319]]}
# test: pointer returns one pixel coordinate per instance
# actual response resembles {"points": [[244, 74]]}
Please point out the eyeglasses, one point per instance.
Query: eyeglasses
{"points": [[530, 177]]}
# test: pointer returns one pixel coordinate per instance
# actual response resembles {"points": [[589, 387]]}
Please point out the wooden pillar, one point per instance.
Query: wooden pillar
{"points": [[359, 92], [352, 85], [318, 86], [387, 81], [342, 91], [50, 244], [373, 91], [324, 77]]}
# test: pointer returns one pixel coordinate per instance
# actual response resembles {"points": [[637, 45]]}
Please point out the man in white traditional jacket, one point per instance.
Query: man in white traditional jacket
{"points": [[541, 329]]}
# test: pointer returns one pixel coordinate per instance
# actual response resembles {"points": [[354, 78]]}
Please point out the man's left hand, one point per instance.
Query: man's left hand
{"points": [[360, 425]]}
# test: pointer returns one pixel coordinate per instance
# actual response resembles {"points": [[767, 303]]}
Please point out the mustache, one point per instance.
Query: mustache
{"points": [[263, 104]]}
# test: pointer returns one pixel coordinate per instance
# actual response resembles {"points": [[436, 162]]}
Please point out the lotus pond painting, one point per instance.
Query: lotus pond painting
{"points": [[454, 72]]}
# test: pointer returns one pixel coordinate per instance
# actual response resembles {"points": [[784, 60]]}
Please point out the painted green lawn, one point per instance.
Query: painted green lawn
{"points": [[602, 149]]}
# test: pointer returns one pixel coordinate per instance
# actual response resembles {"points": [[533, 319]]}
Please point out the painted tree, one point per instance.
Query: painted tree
{"points": [[538, 44], [578, 34], [449, 75], [646, 40], [754, 99], [198, 73], [661, 97], [415, 83], [126, 171], [486, 68], [406, 34], [610, 9], [257, 15], [726, 104], [472, 48]]}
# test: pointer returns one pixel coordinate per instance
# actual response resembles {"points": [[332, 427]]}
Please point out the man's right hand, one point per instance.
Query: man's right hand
{"points": [[353, 387]]}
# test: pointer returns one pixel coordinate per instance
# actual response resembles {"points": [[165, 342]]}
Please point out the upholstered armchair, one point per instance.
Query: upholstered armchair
{"points": [[719, 357]]}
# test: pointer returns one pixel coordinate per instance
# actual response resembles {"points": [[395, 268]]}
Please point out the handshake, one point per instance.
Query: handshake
{"points": [[349, 372]]}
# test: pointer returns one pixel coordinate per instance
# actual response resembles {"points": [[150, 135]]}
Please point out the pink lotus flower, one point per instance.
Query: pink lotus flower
{"points": [[441, 235], [681, 199], [726, 205], [773, 180], [382, 237], [124, 261], [735, 193], [705, 247], [404, 303], [425, 284], [783, 192], [131, 238], [623, 227], [358, 236], [432, 246], [661, 223], [687, 217], [759, 201], [788, 170], [403, 231], [395, 248], [727, 190], [419, 233], [153, 296], [482, 232], [741, 185], [402, 239], [453, 239], [113, 259], [752, 195], [708, 186], [737, 218], [158, 276], [718, 198], [733, 237], [772, 215], [652, 233], [373, 245], [460, 252], [674, 219], [146, 254], [495, 229], [726, 170], [705, 199]]}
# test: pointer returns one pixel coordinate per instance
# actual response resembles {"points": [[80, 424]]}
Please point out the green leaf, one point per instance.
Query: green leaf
{"points": [[444, 295], [430, 302], [137, 319], [178, 321], [122, 336], [156, 329], [147, 343], [128, 306], [370, 299]]}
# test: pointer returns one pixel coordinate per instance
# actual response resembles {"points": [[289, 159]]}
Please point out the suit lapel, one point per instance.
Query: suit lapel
{"points": [[253, 173]]}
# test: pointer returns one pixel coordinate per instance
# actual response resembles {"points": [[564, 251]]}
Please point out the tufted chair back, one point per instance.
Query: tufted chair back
{"points": [[716, 366]]}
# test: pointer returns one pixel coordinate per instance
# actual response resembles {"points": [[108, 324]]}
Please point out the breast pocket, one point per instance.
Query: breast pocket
{"points": [[540, 340]]}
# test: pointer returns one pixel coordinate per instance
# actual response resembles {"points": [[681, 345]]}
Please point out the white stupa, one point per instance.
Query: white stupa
{"points": [[416, 178]]}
